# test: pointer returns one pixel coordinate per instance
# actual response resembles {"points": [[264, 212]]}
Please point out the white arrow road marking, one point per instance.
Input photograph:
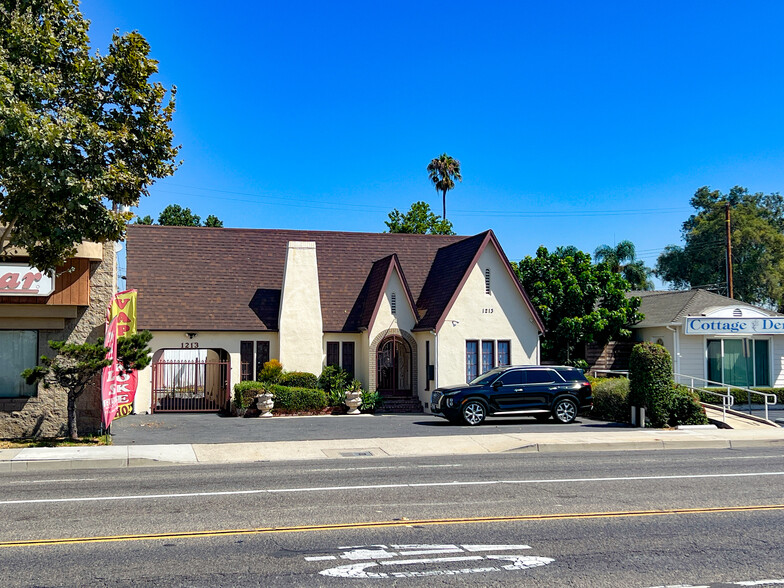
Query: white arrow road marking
{"points": [[384, 556], [359, 570]]}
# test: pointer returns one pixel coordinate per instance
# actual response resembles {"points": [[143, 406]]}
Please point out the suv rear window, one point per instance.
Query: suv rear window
{"points": [[571, 374], [540, 376]]}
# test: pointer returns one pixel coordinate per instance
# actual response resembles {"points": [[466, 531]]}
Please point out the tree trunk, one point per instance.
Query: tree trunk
{"points": [[72, 431], [444, 204]]}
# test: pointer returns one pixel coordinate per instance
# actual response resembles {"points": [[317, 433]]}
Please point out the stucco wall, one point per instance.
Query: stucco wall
{"points": [[360, 353], [45, 415], [300, 321], [229, 341], [403, 319], [500, 315]]}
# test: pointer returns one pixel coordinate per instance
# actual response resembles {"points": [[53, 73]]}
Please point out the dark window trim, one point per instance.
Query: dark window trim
{"points": [[476, 359]]}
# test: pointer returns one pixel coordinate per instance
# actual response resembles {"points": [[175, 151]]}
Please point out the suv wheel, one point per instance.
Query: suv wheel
{"points": [[565, 410], [474, 412]]}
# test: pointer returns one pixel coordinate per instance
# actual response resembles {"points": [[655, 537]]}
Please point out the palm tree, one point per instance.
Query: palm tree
{"points": [[634, 270], [444, 170]]}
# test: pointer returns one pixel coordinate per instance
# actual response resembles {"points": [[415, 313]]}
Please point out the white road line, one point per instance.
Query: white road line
{"points": [[53, 481], [320, 558], [475, 548], [383, 486]]}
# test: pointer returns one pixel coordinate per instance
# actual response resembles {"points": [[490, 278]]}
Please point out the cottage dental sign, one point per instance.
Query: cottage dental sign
{"points": [[17, 279], [727, 326]]}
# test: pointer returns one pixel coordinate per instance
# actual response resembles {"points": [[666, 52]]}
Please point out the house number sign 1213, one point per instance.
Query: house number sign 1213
{"points": [[189, 345]]}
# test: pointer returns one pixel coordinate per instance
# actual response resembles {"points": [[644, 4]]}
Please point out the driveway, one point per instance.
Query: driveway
{"points": [[171, 428]]}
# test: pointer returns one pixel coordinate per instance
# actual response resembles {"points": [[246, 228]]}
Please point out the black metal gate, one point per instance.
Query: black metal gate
{"points": [[190, 386]]}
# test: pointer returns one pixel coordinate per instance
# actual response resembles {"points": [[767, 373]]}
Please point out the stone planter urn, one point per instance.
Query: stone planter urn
{"points": [[265, 403], [353, 400]]}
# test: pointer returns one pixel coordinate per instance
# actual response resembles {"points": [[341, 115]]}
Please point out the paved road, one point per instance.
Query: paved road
{"points": [[162, 428], [283, 524]]}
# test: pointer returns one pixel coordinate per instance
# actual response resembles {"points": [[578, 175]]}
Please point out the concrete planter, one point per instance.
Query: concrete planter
{"points": [[265, 404]]}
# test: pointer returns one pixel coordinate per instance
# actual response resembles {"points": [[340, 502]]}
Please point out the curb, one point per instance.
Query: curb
{"points": [[373, 448]]}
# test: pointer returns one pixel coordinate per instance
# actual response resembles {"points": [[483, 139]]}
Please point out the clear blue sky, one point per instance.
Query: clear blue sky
{"points": [[576, 123]]}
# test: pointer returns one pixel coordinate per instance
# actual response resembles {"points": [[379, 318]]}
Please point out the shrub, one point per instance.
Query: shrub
{"points": [[650, 381], [685, 408], [578, 363], [371, 401], [740, 395], [334, 381], [245, 393], [611, 400], [298, 380], [298, 399], [271, 371]]}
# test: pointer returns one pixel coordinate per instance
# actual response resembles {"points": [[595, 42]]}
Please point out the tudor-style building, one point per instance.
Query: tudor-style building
{"points": [[403, 313]]}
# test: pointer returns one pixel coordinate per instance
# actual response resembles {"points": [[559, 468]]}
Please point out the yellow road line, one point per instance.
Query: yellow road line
{"points": [[387, 524]]}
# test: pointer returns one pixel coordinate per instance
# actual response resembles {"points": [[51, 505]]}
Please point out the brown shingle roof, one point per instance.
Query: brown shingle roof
{"points": [[230, 279]]}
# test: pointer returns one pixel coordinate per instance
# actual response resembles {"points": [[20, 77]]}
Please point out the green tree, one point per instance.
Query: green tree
{"points": [[578, 301], [213, 221], [419, 219], [81, 135], [757, 236], [144, 220], [175, 215], [443, 171], [76, 365], [634, 270]]}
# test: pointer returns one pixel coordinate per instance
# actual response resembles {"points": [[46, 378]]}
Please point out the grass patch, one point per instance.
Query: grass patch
{"points": [[88, 440]]}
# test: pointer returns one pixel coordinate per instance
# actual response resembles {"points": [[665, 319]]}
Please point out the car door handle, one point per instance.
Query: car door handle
{"points": [[518, 389], [553, 387]]}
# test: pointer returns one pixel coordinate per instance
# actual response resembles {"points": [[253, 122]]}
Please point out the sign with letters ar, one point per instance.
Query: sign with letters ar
{"points": [[18, 279], [118, 388]]}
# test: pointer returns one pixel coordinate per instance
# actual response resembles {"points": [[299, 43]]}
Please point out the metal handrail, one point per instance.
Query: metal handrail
{"points": [[620, 372], [729, 387]]}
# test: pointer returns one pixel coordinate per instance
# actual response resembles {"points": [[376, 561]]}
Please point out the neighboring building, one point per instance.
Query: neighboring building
{"points": [[402, 313], [36, 308], [712, 337]]}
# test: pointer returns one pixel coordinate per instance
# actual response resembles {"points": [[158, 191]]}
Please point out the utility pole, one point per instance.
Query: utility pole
{"points": [[729, 249]]}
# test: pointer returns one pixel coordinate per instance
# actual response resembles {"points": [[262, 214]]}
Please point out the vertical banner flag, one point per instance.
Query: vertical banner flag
{"points": [[118, 388]]}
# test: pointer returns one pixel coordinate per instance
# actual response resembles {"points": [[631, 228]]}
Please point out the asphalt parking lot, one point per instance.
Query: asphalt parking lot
{"points": [[174, 428]]}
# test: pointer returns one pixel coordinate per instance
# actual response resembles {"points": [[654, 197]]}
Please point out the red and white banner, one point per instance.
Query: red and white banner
{"points": [[118, 388]]}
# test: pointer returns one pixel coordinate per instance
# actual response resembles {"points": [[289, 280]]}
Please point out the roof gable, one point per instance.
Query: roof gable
{"points": [[377, 282]]}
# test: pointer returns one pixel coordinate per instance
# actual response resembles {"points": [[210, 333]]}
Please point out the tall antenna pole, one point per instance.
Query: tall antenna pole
{"points": [[729, 249]]}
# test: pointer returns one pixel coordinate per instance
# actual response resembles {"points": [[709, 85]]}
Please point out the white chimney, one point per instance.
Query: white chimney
{"points": [[300, 325]]}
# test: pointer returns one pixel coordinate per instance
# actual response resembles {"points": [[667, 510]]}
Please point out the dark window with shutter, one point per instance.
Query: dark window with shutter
{"points": [[246, 360], [333, 353], [348, 357], [472, 360], [262, 355], [427, 365], [503, 353], [488, 356]]}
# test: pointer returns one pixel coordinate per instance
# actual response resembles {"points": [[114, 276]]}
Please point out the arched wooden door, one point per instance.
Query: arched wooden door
{"points": [[393, 367]]}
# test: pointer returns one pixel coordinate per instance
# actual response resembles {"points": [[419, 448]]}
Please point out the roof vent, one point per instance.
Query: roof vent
{"points": [[737, 312], [487, 281], [393, 303]]}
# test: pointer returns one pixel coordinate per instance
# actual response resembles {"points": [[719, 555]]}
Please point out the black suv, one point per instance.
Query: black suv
{"points": [[535, 390]]}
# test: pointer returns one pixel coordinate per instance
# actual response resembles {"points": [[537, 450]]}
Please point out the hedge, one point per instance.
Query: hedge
{"points": [[298, 380], [291, 399], [740, 395], [650, 381], [245, 393], [611, 400]]}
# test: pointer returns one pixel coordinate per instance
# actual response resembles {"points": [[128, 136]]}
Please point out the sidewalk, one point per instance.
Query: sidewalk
{"points": [[43, 458]]}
